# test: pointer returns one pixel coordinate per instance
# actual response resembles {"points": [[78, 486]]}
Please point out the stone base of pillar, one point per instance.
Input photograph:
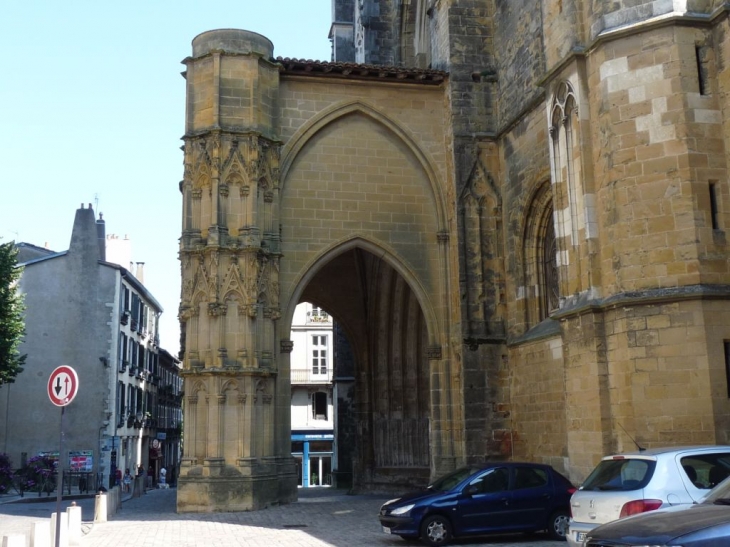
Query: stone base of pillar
{"points": [[250, 485]]}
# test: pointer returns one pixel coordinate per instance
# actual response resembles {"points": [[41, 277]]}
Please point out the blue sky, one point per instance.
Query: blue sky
{"points": [[93, 108]]}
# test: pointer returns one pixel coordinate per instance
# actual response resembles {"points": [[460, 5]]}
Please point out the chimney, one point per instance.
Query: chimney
{"points": [[84, 242], [101, 235], [140, 272]]}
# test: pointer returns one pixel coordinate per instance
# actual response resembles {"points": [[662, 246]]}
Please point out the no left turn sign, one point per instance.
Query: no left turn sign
{"points": [[63, 385]]}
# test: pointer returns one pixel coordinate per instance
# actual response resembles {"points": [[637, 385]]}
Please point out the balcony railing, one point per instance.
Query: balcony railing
{"points": [[306, 377]]}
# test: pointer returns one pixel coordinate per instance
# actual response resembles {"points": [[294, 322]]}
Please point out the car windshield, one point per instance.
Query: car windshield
{"points": [[448, 482], [623, 474]]}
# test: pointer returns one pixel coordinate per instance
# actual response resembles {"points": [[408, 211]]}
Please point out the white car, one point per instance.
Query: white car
{"points": [[632, 483]]}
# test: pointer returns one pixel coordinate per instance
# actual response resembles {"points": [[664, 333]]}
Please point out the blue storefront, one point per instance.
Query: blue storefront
{"points": [[313, 453]]}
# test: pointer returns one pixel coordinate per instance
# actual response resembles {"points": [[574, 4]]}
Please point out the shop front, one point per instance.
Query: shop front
{"points": [[313, 454]]}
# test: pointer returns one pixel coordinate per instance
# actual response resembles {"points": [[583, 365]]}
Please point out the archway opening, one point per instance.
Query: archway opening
{"points": [[380, 379]]}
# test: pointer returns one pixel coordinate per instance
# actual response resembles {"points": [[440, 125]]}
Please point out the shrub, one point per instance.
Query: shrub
{"points": [[38, 475]]}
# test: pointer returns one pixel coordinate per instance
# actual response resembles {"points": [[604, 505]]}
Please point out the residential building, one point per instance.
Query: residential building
{"points": [[98, 318], [312, 408]]}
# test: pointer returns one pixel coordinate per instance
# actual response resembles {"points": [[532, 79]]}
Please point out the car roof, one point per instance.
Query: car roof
{"points": [[487, 465], [672, 450]]}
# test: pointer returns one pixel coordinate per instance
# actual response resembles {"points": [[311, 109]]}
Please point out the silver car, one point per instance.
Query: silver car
{"points": [[632, 483]]}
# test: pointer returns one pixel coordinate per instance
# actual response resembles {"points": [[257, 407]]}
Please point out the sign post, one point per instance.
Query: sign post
{"points": [[63, 385]]}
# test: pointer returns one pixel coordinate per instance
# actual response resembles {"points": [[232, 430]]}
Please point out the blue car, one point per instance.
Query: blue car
{"points": [[502, 497]]}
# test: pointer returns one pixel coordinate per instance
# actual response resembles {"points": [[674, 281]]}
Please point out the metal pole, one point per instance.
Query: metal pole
{"points": [[59, 484]]}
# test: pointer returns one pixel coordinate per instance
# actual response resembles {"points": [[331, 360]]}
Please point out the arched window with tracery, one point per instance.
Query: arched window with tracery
{"points": [[540, 251], [562, 159]]}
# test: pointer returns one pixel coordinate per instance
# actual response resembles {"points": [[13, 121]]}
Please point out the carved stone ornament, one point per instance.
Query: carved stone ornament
{"points": [[216, 309], [222, 399], [193, 399], [442, 237], [287, 346]]}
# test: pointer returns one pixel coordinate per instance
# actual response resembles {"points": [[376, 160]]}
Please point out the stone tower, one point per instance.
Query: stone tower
{"points": [[237, 454]]}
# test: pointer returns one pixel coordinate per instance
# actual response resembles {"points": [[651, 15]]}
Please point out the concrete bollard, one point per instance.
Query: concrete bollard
{"points": [[74, 524], [101, 508], [14, 540], [40, 533], [63, 531], [138, 487]]}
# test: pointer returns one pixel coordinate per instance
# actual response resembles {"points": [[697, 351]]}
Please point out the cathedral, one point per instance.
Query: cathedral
{"points": [[515, 212]]}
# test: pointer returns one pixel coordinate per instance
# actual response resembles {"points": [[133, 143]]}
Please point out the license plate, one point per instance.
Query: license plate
{"points": [[387, 530], [580, 536]]}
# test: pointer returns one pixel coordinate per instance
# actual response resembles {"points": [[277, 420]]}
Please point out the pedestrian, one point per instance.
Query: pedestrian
{"points": [[118, 477], [163, 478], [127, 481]]}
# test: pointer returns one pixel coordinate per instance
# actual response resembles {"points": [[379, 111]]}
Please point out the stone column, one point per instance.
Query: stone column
{"points": [[231, 265]]}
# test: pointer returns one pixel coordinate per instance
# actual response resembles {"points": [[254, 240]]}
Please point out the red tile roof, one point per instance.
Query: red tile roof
{"points": [[323, 69]]}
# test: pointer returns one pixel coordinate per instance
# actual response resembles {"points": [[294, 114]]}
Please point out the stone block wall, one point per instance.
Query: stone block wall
{"points": [[538, 402], [667, 378], [662, 148]]}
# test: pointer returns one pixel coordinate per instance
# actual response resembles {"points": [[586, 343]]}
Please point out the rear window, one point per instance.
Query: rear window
{"points": [[620, 475]]}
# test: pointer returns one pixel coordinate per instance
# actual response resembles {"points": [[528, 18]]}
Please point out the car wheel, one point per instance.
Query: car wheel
{"points": [[558, 525], [436, 530]]}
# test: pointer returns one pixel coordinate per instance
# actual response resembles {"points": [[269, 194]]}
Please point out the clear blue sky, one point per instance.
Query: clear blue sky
{"points": [[93, 108]]}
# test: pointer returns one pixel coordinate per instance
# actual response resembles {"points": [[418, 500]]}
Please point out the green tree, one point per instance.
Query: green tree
{"points": [[12, 318]]}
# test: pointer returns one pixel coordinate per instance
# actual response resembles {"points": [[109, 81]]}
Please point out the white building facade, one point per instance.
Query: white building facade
{"points": [[312, 409]]}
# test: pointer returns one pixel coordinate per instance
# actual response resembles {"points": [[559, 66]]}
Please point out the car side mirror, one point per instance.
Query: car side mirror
{"points": [[471, 490]]}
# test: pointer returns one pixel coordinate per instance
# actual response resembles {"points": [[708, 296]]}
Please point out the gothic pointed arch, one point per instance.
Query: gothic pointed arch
{"points": [[480, 222], [376, 248], [540, 256], [308, 130]]}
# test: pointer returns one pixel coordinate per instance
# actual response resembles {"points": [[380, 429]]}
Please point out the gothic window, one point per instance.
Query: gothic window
{"points": [[548, 267], [562, 159], [541, 258]]}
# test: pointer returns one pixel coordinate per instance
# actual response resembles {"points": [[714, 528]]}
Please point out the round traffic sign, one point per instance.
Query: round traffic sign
{"points": [[63, 385]]}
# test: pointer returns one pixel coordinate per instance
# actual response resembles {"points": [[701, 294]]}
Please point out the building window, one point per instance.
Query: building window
{"points": [[319, 406], [540, 250], [548, 274], [319, 354], [713, 206], [727, 367]]}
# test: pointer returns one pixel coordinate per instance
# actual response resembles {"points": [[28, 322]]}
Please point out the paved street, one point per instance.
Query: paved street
{"points": [[321, 517]]}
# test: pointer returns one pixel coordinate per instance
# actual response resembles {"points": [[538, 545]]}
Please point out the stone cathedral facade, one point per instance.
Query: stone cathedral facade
{"points": [[516, 212]]}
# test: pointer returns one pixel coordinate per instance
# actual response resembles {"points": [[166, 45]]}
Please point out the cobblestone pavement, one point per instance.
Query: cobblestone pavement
{"points": [[321, 518]]}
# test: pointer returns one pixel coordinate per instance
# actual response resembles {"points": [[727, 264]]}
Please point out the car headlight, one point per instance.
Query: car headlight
{"points": [[402, 510]]}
